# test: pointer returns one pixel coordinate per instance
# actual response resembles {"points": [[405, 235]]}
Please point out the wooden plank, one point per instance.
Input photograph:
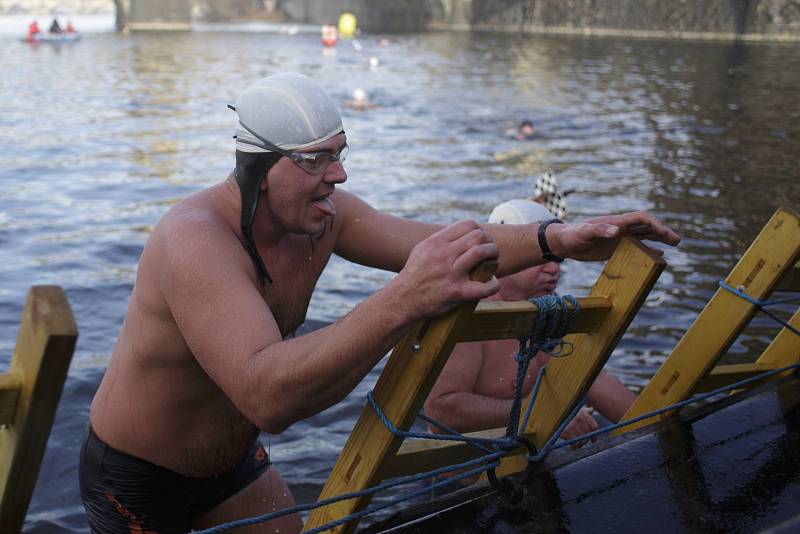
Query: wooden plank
{"points": [[791, 280], [513, 319], [774, 251], [9, 393], [420, 455], [784, 349], [44, 348], [400, 391], [625, 281], [723, 375]]}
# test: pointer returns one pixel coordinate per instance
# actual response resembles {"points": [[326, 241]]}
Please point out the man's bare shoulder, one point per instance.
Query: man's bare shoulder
{"points": [[348, 205], [195, 221], [195, 237]]}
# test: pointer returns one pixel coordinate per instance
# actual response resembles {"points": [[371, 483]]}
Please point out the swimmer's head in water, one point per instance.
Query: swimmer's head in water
{"points": [[275, 116], [359, 95]]}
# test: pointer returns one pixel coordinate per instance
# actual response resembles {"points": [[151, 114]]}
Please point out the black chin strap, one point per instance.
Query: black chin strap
{"points": [[251, 169]]}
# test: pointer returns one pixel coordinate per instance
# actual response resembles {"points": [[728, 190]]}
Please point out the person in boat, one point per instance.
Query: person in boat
{"points": [[70, 28], [55, 27], [33, 31], [206, 358], [475, 389]]}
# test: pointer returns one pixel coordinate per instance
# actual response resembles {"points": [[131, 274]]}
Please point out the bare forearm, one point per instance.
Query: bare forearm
{"points": [[315, 371], [469, 412], [518, 244], [610, 397]]}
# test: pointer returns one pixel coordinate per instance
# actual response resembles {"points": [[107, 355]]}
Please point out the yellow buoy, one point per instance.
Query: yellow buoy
{"points": [[347, 25]]}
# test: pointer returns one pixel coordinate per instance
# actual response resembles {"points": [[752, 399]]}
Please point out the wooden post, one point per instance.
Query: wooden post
{"points": [[772, 254], [400, 391], [626, 281], [43, 351]]}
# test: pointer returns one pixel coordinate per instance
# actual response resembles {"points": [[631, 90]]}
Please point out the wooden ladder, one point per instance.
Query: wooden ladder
{"points": [[769, 263], [29, 394], [373, 453]]}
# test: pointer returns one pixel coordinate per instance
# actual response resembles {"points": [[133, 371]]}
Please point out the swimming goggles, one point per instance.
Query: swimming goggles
{"points": [[312, 162]]}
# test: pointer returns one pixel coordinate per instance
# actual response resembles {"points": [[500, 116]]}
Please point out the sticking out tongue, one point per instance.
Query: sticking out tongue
{"points": [[325, 205]]}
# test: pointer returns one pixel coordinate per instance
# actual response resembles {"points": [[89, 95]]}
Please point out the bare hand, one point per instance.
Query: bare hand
{"points": [[436, 275], [596, 238], [581, 424]]}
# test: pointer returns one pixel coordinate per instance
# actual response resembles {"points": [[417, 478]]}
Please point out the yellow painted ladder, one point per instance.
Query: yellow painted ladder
{"points": [[373, 453], [29, 394], [769, 263]]}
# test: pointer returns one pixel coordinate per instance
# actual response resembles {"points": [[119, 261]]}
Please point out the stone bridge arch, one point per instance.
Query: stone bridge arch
{"points": [[169, 15], [450, 14]]}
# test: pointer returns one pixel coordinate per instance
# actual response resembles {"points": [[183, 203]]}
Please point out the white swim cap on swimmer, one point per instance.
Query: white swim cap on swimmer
{"points": [[289, 110], [359, 95], [519, 211]]}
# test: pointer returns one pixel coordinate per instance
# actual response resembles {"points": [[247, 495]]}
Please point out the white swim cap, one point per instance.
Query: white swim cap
{"points": [[519, 211], [289, 110], [359, 94]]}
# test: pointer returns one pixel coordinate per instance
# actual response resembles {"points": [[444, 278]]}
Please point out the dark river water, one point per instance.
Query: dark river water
{"points": [[99, 138]]}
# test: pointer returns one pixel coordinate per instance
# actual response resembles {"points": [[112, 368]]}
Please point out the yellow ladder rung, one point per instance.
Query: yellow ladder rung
{"points": [[723, 375], [512, 319]]}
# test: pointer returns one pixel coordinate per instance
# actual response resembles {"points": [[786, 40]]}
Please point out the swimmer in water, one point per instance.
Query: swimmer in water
{"points": [[360, 101], [524, 131]]}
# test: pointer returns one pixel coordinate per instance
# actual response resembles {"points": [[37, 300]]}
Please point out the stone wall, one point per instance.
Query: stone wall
{"points": [[159, 15], [372, 15], [705, 19], [724, 19]]}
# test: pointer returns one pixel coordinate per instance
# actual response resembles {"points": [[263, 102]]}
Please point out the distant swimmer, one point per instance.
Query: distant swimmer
{"points": [[360, 101], [524, 131]]}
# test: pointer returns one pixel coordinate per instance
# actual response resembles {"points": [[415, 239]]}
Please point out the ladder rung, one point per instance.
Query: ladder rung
{"points": [[513, 319], [420, 455], [723, 375]]}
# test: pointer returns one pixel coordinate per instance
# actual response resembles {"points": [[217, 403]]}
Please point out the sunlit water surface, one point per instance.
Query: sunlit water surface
{"points": [[100, 137]]}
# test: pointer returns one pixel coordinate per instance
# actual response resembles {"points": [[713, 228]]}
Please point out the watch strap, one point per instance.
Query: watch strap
{"points": [[547, 254]]}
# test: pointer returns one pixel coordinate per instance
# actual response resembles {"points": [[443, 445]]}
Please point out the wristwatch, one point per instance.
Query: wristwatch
{"points": [[547, 254]]}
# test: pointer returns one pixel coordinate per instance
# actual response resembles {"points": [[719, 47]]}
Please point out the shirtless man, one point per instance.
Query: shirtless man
{"points": [[205, 359], [475, 390]]}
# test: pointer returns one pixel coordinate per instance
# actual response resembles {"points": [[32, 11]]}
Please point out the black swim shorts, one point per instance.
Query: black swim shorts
{"points": [[124, 494]]}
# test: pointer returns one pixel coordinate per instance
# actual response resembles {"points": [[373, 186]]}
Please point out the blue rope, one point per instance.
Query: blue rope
{"points": [[552, 322], [678, 405], [425, 435], [549, 447], [503, 445], [451, 431], [761, 304], [494, 461]]}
